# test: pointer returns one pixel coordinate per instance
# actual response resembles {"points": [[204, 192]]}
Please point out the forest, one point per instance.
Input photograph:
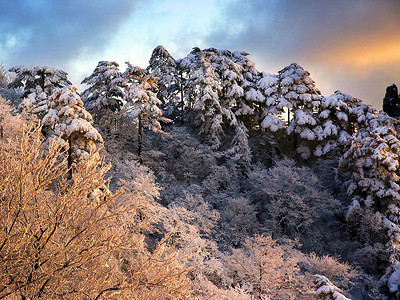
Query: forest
{"points": [[195, 178]]}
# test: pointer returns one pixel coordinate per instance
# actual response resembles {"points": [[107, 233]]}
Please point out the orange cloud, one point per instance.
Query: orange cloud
{"points": [[365, 53]]}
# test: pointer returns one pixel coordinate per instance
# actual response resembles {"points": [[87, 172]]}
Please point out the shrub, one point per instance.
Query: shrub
{"points": [[266, 268], [292, 201], [331, 268]]}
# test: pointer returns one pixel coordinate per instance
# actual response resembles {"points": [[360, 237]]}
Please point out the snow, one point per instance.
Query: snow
{"points": [[253, 95], [330, 129], [342, 116], [328, 290], [51, 117], [287, 81], [272, 123], [304, 151], [306, 98], [307, 134], [237, 91], [354, 206], [325, 114], [267, 80], [302, 118], [292, 95]]}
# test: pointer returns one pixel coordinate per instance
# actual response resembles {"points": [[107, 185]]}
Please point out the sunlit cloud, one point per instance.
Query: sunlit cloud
{"points": [[365, 54]]}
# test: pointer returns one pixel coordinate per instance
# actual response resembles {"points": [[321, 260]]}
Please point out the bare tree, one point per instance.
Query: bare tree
{"points": [[62, 240]]}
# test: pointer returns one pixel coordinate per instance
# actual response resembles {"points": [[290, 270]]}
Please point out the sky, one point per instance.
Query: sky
{"points": [[352, 46]]}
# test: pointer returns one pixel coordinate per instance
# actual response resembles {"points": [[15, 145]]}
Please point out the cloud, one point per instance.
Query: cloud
{"points": [[355, 39], [52, 32], [289, 27], [344, 44], [366, 53]]}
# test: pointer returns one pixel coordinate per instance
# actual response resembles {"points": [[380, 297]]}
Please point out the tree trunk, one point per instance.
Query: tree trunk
{"points": [[140, 138], [69, 159], [181, 90], [42, 79]]}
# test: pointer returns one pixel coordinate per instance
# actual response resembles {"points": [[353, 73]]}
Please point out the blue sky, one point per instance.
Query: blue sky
{"points": [[353, 45]]}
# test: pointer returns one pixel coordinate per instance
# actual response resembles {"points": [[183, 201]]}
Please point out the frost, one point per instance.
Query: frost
{"points": [[394, 279]]}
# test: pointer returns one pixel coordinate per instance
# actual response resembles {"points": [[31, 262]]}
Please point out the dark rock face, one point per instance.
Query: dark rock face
{"points": [[391, 102]]}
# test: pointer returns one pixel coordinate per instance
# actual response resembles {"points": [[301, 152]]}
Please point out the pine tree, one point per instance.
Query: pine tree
{"points": [[391, 102], [250, 107], [240, 148], [337, 122], [240, 100], [185, 68], [228, 76], [4, 78], [70, 121], [204, 88], [142, 102], [214, 84], [298, 88], [38, 83], [236, 75], [103, 97], [275, 106], [295, 92], [163, 66], [373, 161], [104, 92]]}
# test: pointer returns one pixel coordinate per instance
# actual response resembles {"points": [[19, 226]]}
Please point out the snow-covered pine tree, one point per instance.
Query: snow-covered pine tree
{"points": [[237, 75], [337, 122], [228, 74], [298, 88], [3, 76], [204, 88], [104, 91], [250, 107], [275, 105], [163, 66], [38, 84], [296, 93], [70, 121], [240, 149], [373, 161], [232, 98], [142, 102], [103, 97], [210, 114], [185, 68]]}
